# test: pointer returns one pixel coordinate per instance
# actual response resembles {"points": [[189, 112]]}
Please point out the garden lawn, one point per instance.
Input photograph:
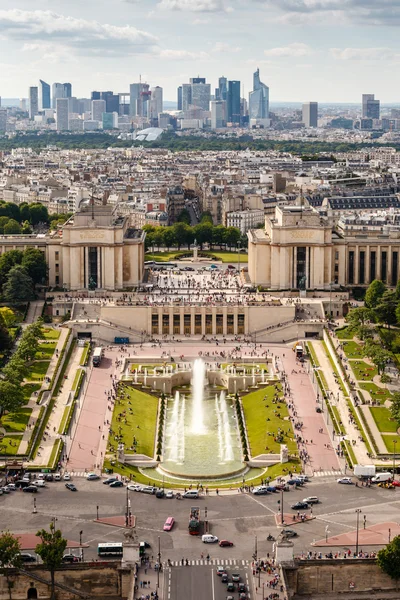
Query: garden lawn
{"points": [[17, 421], [388, 441], [165, 256], [37, 370], [45, 351], [51, 334], [10, 444], [352, 350], [228, 257], [362, 370], [343, 334], [144, 415], [382, 417], [28, 390], [377, 393], [262, 422]]}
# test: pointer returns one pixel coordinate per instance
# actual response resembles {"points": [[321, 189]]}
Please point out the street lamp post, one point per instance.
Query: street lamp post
{"points": [[80, 543], [159, 563], [97, 512], [358, 511], [34, 506], [282, 520], [394, 457]]}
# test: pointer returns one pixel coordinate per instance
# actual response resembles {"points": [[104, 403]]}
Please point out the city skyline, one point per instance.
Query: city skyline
{"points": [[169, 41]]}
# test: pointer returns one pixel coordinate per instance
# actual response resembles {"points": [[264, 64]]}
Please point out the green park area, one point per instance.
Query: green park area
{"points": [[135, 416], [51, 334], [37, 370], [28, 389], [15, 422], [224, 257], [352, 349], [383, 419], [45, 350], [267, 421], [392, 442], [378, 394], [9, 444], [343, 334], [363, 371]]}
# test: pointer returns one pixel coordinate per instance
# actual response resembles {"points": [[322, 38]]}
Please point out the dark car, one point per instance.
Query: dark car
{"points": [[110, 480], [49, 477], [22, 484], [242, 587], [299, 506], [71, 487], [242, 596], [289, 533], [70, 558], [160, 493], [116, 484], [318, 409], [225, 543], [30, 489], [27, 558], [272, 488], [224, 578], [230, 587]]}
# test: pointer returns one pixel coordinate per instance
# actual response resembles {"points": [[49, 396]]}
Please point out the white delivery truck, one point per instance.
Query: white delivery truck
{"points": [[382, 477], [364, 471]]}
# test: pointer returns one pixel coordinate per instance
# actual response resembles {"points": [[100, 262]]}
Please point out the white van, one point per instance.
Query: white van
{"points": [[382, 477], [209, 539], [57, 476], [191, 494]]}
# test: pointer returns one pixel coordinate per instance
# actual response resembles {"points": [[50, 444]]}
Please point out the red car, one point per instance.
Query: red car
{"points": [[225, 543]]}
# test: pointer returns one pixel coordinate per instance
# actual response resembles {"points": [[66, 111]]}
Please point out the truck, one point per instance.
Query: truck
{"points": [[382, 477], [364, 471], [194, 521], [97, 356]]}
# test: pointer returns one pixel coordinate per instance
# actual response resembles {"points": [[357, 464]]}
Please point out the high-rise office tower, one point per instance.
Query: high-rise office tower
{"points": [[98, 108], [156, 102], [370, 107], [222, 88], [33, 102], [186, 96], [67, 90], [112, 101], [218, 114], [180, 97], [44, 95], [60, 90], [259, 99], [197, 80], [310, 114], [233, 102], [95, 96], [139, 99], [62, 114], [110, 120], [3, 120], [201, 93]]}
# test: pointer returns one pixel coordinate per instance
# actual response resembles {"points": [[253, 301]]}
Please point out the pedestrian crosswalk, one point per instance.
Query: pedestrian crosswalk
{"points": [[223, 562], [327, 474], [78, 473]]}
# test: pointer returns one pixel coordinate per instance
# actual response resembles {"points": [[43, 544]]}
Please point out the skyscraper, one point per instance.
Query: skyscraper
{"points": [[310, 114], [222, 88], [186, 96], [156, 102], [33, 102], [3, 120], [62, 114], [259, 99], [201, 93], [98, 108], [370, 107], [139, 99], [233, 102], [95, 96], [180, 97], [60, 90], [44, 95], [112, 101], [218, 114]]}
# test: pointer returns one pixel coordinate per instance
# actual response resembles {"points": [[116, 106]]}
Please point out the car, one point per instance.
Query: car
{"points": [[242, 596], [272, 489], [289, 533], [30, 489], [236, 577], [221, 571], [209, 539], [39, 483], [311, 500], [160, 493], [134, 487], [115, 484], [229, 598], [283, 486], [110, 480], [148, 489], [49, 477], [302, 477], [57, 476], [194, 494], [225, 543], [224, 578], [242, 588], [27, 558], [22, 484], [92, 476], [230, 587], [169, 523], [170, 494], [71, 487], [396, 483], [41, 476], [11, 487], [230, 267], [67, 476], [5, 490], [260, 490], [70, 558], [345, 480], [299, 506]]}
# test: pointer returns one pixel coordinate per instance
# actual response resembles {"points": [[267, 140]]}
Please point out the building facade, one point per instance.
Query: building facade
{"points": [[310, 114], [62, 114], [259, 99]]}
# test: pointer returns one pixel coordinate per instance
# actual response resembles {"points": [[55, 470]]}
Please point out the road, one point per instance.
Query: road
{"points": [[237, 517], [202, 582]]}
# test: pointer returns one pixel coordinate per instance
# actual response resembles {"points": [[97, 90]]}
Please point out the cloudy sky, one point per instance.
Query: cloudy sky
{"points": [[324, 50]]}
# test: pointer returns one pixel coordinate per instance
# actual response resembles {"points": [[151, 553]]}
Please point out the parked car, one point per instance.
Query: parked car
{"points": [[345, 480], [27, 558], [160, 493], [169, 494], [49, 477], [30, 489], [70, 558], [115, 484], [134, 487], [169, 523], [109, 480], [71, 487], [225, 543], [299, 506], [39, 483], [67, 476], [11, 487], [5, 490], [194, 494], [92, 476], [148, 489]]}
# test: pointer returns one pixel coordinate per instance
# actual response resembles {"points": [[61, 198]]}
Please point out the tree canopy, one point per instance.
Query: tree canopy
{"points": [[51, 550], [388, 559], [374, 293]]}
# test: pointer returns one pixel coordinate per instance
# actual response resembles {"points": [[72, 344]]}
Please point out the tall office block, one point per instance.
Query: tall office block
{"points": [[310, 114], [110, 120], [222, 88], [139, 99], [67, 90], [33, 102], [197, 80], [3, 120], [233, 102], [259, 99], [95, 96], [218, 114], [201, 93], [112, 101], [186, 96], [156, 102], [62, 114], [370, 107], [60, 90], [98, 108], [44, 95], [180, 97]]}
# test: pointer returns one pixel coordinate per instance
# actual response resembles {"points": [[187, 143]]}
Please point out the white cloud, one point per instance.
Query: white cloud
{"points": [[226, 48], [183, 55], [295, 49], [194, 5], [364, 54], [80, 35]]}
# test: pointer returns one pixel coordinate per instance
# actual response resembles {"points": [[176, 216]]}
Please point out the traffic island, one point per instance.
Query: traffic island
{"points": [[379, 534], [290, 519]]}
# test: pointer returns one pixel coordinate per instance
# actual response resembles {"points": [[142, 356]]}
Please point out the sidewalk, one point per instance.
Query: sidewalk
{"points": [[146, 583]]}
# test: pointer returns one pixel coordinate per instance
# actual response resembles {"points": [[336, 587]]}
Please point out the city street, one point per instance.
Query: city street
{"points": [[202, 582]]}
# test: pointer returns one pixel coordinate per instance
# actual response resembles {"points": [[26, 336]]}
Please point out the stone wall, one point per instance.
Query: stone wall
{"points": [[101, 580], [334, 578]]}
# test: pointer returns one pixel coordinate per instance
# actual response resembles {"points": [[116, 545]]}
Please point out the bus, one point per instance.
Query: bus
{"points": [[110, 549], [97, 356]]}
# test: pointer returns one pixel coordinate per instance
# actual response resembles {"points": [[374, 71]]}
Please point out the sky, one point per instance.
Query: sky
{"points": [[307, 50]]}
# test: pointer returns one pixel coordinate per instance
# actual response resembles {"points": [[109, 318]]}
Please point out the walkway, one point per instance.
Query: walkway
{"points": [[318, 445], [34, 311]]}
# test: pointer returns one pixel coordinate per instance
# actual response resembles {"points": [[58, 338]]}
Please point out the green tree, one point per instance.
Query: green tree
{"points": [[218, 235], [7, 316], [385, 310], [38, 214], [203, 233], [169, 237], [5, 339], [15, 370], [51, 550], [184, 217], [10, 210], [182, 233], [3, 222], [374, 293], [26, 228], [12, 227], [18, 286], [11, 397], [7, 261], [232, 236], [35, 264], [206, 217], [395, 407], [10, 557], [359, 320], [388, 559]]}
